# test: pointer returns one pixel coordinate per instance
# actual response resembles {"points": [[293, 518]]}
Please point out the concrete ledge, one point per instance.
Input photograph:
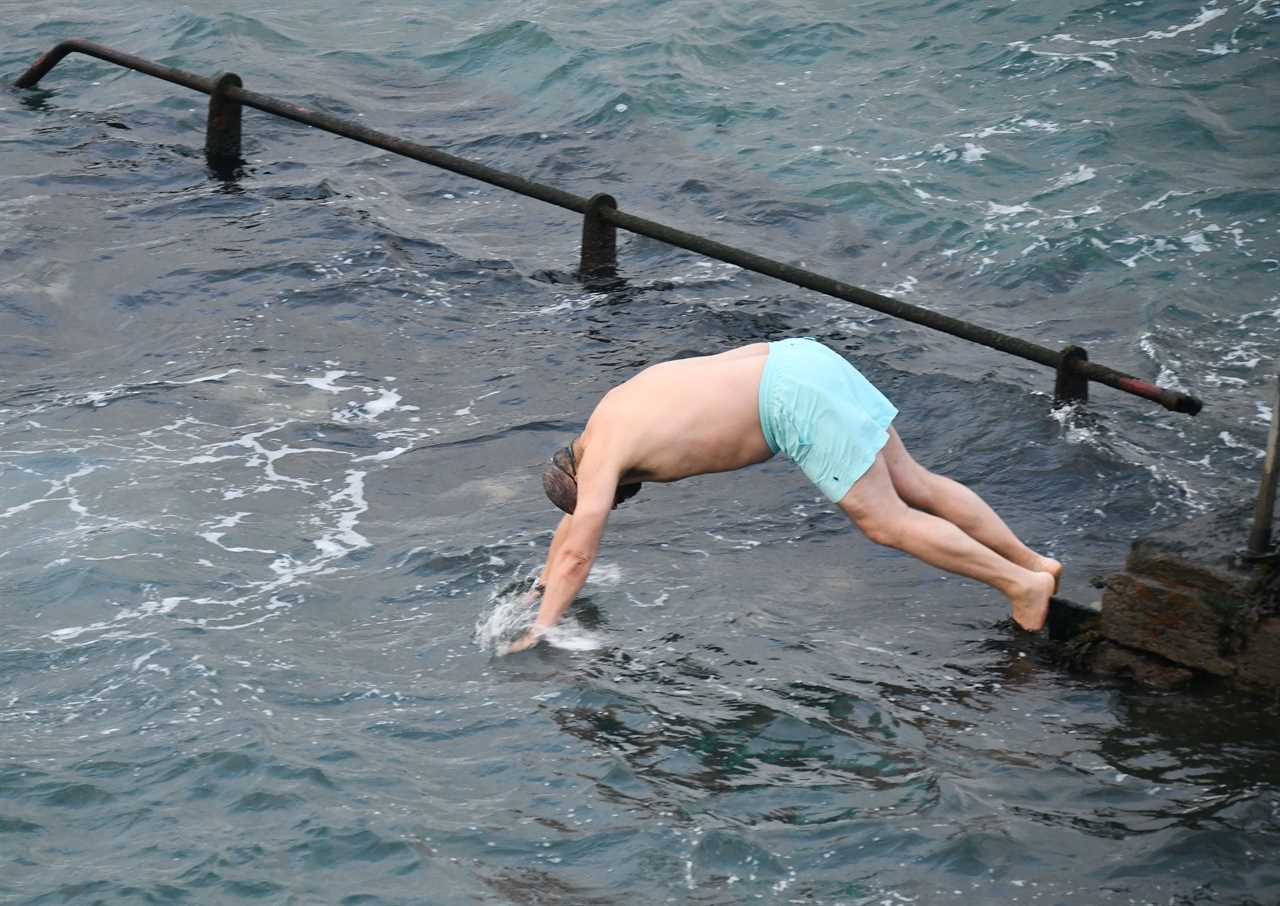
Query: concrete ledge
{"points": [[1181, 624], [1258, 666], [1187, 597]]}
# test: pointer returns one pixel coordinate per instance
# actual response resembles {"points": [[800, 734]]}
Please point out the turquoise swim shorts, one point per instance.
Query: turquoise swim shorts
{"points": [[821, 412]]}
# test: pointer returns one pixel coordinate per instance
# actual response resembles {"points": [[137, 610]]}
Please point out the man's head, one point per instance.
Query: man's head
{"points": [[560, 481]]}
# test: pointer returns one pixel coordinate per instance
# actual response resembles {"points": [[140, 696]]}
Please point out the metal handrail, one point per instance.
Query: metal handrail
{"points": [[601, 218]]}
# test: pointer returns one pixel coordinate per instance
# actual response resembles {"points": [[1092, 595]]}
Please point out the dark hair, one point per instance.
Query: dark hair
{"points": [[560, 481]]}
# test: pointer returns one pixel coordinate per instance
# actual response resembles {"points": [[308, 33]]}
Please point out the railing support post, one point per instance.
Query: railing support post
{"points": [[222, 134], [1071, 386], [1260, 537], [599, 240]]}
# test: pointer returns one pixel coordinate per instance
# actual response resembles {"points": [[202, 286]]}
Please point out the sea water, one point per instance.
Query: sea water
{"points": [[270, 452]]}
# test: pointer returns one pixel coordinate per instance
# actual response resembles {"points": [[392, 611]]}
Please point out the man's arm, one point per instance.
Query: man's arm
{"points": [[557, 541], [567, 569], [573, 551]]}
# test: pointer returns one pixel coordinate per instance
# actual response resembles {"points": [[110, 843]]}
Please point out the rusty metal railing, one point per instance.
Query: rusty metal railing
{"points": [[601, 219]]}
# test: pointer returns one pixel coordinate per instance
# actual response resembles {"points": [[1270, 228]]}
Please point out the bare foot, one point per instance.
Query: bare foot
{"points": [[1052, 567], [1031, 602]]}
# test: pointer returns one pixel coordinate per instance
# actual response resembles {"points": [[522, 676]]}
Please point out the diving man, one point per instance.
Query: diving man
{"points": [[723, 412]]}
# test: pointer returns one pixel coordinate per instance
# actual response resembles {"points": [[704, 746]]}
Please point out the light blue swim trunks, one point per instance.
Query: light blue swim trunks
{"points": [[821, 412]]}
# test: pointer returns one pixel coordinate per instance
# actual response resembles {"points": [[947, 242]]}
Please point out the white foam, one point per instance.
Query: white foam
{"points": [[1078, 175], [1092, 60], [343, 538], [1159, 202], [906, 286], [1207, 15], [990, 131], [139, 661], [1229, 441], [215, 538], [736, 543], [1195, 242], [1217, 50], [1004, 210], [56, 485], [325, 383], [382, 456], [145, 609], [387, 400]]}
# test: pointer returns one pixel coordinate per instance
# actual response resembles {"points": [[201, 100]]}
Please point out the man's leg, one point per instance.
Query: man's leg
{"points": [[960, 506], [875, 507]]}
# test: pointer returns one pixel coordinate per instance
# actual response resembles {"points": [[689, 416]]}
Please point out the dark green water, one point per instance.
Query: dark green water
{"points": [[269, 455]]}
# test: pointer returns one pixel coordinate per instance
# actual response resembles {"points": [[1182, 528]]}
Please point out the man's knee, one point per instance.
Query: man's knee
{"points": [[882, 526]]}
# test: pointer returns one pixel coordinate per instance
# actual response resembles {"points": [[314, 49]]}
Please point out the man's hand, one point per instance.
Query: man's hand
{"points": [[528, 640]]}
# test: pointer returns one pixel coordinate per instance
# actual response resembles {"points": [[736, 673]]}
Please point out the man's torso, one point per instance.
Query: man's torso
{"points": [[684, 417]]}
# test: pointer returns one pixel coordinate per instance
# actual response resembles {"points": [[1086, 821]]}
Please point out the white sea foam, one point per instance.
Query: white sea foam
{"points": [[1075, 177], [343, 538], [1067, 58], [1195, 242], [1217, 50], [382, 456], [332, 521], [325, 383], [127, 614], [905, 286], [1159, 202], [1207, 15], [386, 401], [990, 131], [970, 153], [1230, 442], [1005, 210]]}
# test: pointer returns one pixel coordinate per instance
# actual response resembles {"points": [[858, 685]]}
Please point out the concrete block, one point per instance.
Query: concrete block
{"points": [[1184, 624], [1258, 665], [1116, 660]]}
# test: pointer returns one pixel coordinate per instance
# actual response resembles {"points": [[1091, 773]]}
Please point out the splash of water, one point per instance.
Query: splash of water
{"points": [[511, 613]]}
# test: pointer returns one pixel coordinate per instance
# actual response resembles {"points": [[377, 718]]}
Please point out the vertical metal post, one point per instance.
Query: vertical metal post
{"points": [[222, 134], [1260, 537], [1071, 386], [599, 240]]}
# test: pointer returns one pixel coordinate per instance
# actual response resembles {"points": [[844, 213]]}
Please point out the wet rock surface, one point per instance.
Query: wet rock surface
{"points": [[1188, 603]]}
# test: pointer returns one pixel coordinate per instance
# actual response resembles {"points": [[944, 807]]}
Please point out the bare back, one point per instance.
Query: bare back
{"points": [[684, 417]]}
